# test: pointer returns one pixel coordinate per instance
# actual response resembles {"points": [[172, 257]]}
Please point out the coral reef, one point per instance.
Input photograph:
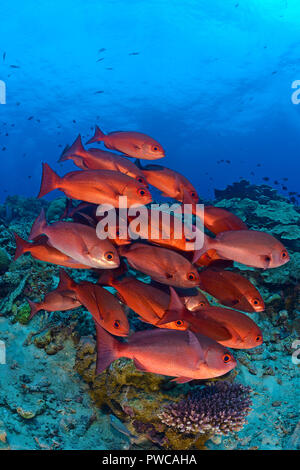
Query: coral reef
{"points": [[55, 342], [4, 261], [217, 409]]}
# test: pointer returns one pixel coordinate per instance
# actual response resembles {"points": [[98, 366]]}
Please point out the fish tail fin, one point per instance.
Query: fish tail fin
{"points": [[76, 149], [137, 162], [97, 137], [176, 310], [108, 349], [50, 180], [65, 281], [34, 308], [109, 276], [39, 226], [106, 278], [207, 244], [21, 246], [67, 211]]}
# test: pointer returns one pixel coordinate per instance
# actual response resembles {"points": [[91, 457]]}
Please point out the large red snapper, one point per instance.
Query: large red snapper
{"points": [[171, 183], [97, 159], [41, 250], [229, 327], [77, 241], [133, 144], [96, 186], [103, 306], [149, 302], [249, 247], [61, 299], [180, 354], [231, 289], [163, 265]]}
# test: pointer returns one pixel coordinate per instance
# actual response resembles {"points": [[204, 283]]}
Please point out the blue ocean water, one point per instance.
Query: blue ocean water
{"points": [[211, 81]]}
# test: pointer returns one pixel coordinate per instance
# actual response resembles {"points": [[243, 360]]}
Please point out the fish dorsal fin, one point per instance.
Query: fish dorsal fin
{"points": [[175, 302], [65, 281], [175, 311], [41, 240]]}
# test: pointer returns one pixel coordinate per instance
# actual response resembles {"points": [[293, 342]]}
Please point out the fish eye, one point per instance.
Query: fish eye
{"points": [[179, 322], [141, 180], [226, 358], [191, 276], [117, 324], [258, 338], [109, 256], [255, 302], [202, 304], [284, 254], [193, 194], [155, 148], [141, 192]]}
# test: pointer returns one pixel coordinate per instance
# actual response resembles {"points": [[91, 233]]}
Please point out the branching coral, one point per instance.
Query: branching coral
{"points": [[216, 409]]}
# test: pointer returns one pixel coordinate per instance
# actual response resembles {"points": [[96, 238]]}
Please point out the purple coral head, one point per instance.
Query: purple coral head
{"points": [[221, 408]]}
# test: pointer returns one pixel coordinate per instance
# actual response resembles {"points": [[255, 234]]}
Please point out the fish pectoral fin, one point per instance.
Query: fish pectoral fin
{"points": [[266, 260], [139, 366], [181, 380], [82, 245], [194, 343]]}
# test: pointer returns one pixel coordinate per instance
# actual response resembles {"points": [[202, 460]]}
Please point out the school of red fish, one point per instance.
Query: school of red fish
{"points": [[192, 336]]}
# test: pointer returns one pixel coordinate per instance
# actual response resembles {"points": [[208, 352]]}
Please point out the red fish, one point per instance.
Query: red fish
{"points": [[171, 183], [243, 331], [249, 247], [133, 144], [61, 299], [229, 327], [95, 186], [77, 241], [217, 220], [149, 302], [39, 249], [96, 159], [232, 290], [103, 306], [180, 354], [163, 265]]}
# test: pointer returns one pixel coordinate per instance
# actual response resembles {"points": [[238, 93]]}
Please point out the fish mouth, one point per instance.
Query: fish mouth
{"points": [[103, 263], [261, 308]]}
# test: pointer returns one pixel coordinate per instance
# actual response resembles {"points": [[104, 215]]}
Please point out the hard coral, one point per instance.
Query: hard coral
{"points": [[216, 409]]}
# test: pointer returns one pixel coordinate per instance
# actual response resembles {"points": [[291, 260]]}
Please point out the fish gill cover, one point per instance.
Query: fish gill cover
{"points": [[209, 91]]}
